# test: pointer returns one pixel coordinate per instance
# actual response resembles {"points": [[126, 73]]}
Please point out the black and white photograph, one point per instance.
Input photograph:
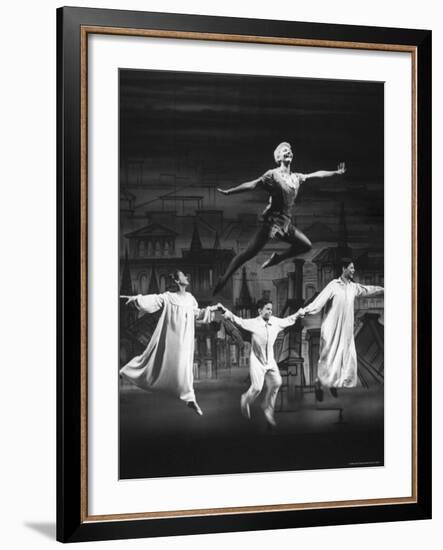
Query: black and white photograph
{"points": [[218, 220], [251, 273]]}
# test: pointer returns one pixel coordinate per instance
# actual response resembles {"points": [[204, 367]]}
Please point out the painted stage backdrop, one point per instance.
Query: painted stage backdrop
{"points": [[182, 137]]}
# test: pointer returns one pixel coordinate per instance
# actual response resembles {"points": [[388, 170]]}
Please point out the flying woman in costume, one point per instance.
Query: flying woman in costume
{"points": [[282, 186], [167, 362]]}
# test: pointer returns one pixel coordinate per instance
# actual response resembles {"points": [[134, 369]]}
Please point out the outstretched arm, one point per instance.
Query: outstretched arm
{"points": [[246, 324], [341, 169], [290, 319], [129, 299], [150, 303], [206, 314], [247, 186], [318, 304], [369, 290]]}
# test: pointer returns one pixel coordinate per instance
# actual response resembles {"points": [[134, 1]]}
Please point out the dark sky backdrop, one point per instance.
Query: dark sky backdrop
{"points": [[200, 129]]}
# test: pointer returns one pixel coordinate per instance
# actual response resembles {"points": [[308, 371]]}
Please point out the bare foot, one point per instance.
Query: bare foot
{"points": [[194, 406], [244, 406], [270, 417]]}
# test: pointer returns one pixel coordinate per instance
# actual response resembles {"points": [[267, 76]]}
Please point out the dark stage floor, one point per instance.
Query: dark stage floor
{"points": [[160, 436]]}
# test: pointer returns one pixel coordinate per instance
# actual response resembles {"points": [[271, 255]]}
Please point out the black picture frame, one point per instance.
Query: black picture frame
{"points": [[73, 523]]}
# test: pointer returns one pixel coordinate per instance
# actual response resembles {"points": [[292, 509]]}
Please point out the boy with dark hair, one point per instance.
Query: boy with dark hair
{"points": [[263, 368]]}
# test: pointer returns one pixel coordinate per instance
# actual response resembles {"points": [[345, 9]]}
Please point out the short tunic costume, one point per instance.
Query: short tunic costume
{"points": [[283, 190]]}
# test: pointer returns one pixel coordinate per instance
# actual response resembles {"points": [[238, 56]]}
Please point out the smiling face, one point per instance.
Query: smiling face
{"points": [[286, 154], [348, 271], [266, 311], [283, 153]]}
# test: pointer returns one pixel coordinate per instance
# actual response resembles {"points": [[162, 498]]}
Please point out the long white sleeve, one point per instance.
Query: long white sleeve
{"points": [[245, 324], [204, 315], [150, 303], [368, 290], [287, 321], [319, 303]]}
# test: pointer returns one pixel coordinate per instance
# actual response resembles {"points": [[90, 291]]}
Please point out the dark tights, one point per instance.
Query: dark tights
{"points": [[296, 238]]}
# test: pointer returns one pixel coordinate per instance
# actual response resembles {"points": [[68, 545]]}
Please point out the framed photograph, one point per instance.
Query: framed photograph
{"points": [[243, 222]]}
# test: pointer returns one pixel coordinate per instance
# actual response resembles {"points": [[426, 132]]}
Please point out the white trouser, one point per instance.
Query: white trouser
{"points": [[258, 375]]}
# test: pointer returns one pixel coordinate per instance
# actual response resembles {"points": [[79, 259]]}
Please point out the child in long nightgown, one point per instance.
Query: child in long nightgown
{"points": [[167, 362]]}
